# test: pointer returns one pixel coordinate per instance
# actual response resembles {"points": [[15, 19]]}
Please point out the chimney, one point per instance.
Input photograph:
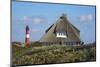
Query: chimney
{"points": [[63, 16]]}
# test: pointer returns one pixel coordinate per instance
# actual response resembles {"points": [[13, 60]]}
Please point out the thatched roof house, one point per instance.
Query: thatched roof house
{"points": [[61, 32]]}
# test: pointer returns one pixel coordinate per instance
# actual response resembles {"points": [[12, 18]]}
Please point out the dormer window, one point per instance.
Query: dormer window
{"points": [[61, 34]]}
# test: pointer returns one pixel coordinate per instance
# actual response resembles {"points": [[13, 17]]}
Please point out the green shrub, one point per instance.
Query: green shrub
{"points": [[52, 54]]}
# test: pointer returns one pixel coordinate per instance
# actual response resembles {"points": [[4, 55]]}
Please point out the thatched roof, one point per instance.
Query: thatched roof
{"points": [[62, 24]]}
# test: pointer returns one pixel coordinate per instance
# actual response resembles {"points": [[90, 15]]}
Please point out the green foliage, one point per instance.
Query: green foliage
{"points": [[52, 54], [35, 44]]}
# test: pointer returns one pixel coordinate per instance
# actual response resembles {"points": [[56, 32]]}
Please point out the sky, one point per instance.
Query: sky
{"points": [[39, 16]]}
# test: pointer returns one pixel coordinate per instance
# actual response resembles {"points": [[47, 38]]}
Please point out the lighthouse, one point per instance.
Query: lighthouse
{"points": [[27, 37]]}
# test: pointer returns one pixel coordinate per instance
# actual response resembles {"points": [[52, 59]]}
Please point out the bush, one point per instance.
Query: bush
{"points": [[53, 54], [35, 44]]}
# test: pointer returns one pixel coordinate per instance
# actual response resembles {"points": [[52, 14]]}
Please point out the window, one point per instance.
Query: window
{"points": [[61, 34]]}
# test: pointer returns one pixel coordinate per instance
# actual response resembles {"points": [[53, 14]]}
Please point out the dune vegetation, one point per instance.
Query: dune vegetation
{"points": [[39, 54]]}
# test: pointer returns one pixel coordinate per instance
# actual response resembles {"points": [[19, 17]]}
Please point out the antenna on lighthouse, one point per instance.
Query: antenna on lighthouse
{"points": [[27, 37]]}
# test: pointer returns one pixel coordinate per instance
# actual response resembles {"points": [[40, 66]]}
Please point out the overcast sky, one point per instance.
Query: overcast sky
{"points": [[39, 16]]}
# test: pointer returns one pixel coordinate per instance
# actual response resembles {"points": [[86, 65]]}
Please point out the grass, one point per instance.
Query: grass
{"points": [[52, 54]]}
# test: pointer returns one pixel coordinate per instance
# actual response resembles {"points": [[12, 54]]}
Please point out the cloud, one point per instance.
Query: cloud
{"points": [[86, 18], [34, 31], [34, 19], [26, 19], [38, 20]]}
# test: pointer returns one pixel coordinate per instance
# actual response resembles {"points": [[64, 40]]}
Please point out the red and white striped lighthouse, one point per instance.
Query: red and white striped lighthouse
{"points": [[27, 37]]}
